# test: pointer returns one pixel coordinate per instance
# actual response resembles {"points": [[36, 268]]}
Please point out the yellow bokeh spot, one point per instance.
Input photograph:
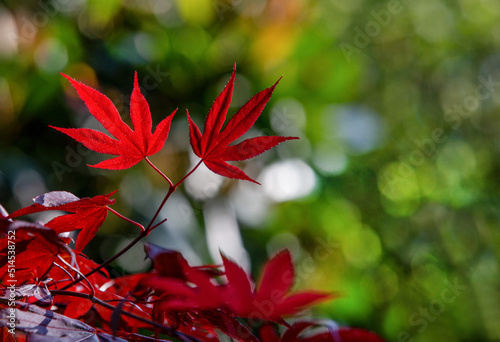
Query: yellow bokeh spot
{"points": [[273, 44], [199, 12], [340, 215], [101, 12]]}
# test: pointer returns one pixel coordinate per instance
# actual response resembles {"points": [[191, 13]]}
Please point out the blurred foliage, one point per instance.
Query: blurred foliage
{"points": [[390, 198]]}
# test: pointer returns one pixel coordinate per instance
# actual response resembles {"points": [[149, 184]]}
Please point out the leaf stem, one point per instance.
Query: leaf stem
{"points": [[77, 271], [167, 196], [110, 260], [159, 171], [188, 174], [169, 193], [158, 224], [126, 219], [65, 271]]}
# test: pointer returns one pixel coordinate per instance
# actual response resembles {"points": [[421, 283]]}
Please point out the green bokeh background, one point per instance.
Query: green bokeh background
{"points": [[390, 197]]}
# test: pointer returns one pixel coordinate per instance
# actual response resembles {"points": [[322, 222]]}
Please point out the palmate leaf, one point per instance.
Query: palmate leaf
{"points": [[213, 145], [88, 214], [271, 298], [131, 146]]}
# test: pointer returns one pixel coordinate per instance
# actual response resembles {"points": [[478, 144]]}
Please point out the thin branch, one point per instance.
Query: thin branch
{"points": [[126, 219], [158, 224], [110, 260], [159, 171], [167, 196], [188, 174], [143, 233], [90, 287], [169, 193], [65, 271]]}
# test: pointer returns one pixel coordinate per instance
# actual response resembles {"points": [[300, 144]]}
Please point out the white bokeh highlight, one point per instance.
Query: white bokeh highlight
{"points": [[288, 180]]}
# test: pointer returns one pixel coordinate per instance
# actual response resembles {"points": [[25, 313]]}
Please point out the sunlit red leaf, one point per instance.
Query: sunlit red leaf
{"points": [[277, 276], [238, 291], [168, 263], [88, 214], [213, 145], [128, 285]]}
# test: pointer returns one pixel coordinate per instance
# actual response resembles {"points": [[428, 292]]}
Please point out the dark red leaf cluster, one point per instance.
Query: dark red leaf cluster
{"points": [[269, 300]]}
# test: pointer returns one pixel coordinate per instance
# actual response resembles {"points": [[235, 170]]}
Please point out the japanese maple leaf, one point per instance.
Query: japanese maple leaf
{"points": [[213, 146], [88, 214], [131, 146]]}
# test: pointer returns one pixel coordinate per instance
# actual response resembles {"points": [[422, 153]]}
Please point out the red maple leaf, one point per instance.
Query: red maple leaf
{"points": [[130, 145], [88, 214], [213, 146]]}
